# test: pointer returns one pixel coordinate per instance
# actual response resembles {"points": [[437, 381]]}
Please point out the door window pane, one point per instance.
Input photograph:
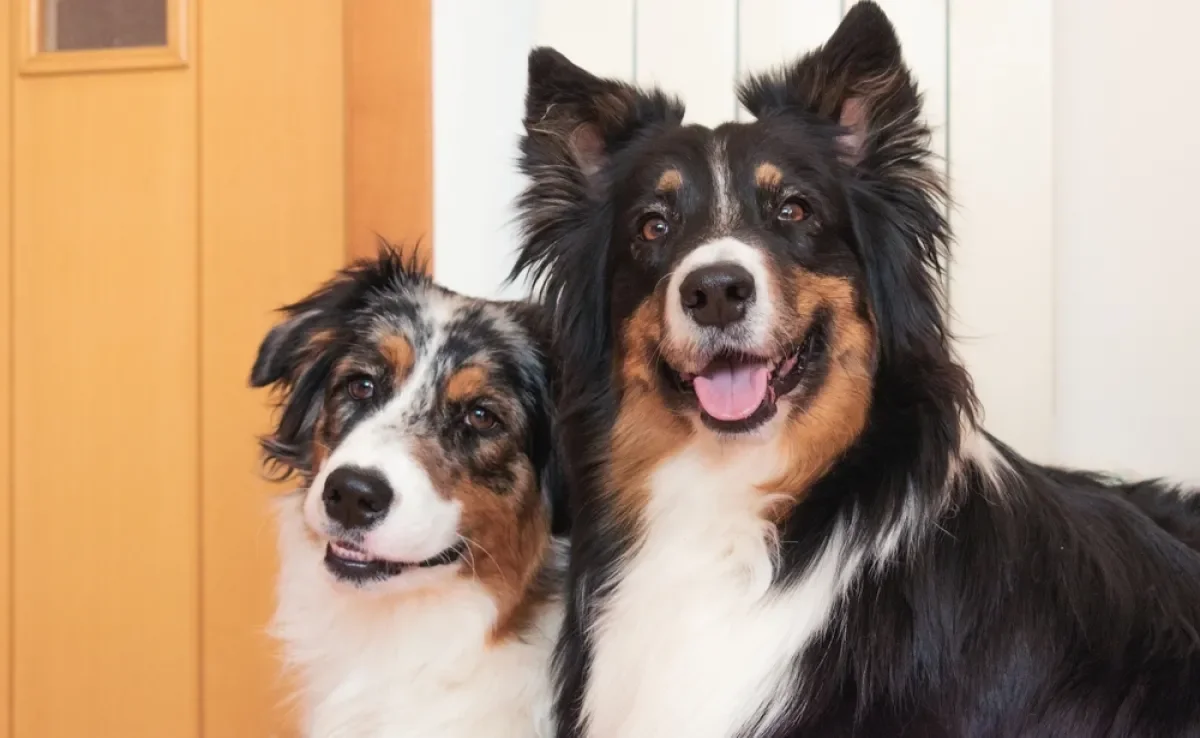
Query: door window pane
{"points": [[76, 25]]}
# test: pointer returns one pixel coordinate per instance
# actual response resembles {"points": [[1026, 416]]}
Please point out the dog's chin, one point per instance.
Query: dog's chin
{"points": [[737, 392], [349, 563]]}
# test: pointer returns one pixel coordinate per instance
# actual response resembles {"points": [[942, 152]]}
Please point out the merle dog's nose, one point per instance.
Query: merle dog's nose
{"points": [[717, 295], [356, 498]]}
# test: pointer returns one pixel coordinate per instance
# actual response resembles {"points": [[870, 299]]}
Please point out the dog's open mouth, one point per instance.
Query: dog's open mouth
{"points": [[737, 392], [349, 562]]}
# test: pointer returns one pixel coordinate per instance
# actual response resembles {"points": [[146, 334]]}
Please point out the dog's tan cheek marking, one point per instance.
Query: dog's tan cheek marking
{"points": [[518, 549], [429, 453], [509, 533], [817, 434], [768, 176], [326, 428], [320, 448], [645, 432], [399, 354]]}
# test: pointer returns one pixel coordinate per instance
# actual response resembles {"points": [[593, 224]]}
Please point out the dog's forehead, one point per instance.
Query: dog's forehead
{"points": [[684, 153], [449, 330], [691, 163], [728, 157]]}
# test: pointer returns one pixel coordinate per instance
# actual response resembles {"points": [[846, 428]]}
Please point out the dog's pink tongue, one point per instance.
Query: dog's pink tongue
{"points": [[732, 392]]}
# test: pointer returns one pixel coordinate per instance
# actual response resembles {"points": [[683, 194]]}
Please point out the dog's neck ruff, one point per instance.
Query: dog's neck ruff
{"points": [[699, 636], [693, 636], [423, 665]]}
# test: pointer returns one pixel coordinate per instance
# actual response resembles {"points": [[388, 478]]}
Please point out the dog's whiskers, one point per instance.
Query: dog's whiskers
{"points": [[472, 543]]}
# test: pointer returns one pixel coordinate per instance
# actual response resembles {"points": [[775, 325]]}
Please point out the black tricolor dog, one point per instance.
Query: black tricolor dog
{"points": [[789, 521], [419, 592]]}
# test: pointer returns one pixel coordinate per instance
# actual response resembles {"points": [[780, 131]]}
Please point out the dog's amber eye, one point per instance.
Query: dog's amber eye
{"points": [[481, 419], [360, 388], [794, 210], [654, 227]]}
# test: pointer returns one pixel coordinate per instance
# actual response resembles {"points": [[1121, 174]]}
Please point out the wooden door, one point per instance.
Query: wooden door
{"points": [[170, 172]]}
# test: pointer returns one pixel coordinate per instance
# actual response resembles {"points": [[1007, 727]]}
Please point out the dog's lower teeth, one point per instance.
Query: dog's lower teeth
{"points": [[350, 555]]}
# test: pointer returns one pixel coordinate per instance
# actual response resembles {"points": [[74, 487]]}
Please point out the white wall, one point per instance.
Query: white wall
{"points": [[1069, 203], [479, 50], [1125, 195], [1002, 277]]}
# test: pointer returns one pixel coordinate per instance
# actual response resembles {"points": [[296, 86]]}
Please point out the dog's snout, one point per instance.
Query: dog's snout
{"points": [[356, 498], [717, 295]]}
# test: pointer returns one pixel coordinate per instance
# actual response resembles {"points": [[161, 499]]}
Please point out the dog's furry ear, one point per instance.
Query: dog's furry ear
{"points": [[535, 319], [298, 354], [295, 358], [574, 123], [283, 347], [857, 79], [577, 119]]}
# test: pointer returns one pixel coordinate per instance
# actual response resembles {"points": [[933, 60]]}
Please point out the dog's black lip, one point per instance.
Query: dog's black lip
{"points": [[378, 569], [807, 350]]}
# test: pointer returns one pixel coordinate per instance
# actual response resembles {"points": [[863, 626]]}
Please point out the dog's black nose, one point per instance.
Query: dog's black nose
{"points": [[717, 295], [356, 498]]}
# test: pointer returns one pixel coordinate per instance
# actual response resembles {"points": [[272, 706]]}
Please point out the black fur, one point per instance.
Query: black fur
{"points": [[1032, 602]]}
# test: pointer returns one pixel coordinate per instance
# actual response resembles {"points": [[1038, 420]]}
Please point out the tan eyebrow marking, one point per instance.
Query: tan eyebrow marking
{"points": [[465, 383], [670, 181], [768, 175], [399, 354]]}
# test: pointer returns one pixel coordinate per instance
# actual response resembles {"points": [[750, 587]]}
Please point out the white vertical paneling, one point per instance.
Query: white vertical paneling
{"points": [[480, 49], [689, 48], [1002, 281], [1128, 311], [597, 36], [772, 33], [921, 26]]}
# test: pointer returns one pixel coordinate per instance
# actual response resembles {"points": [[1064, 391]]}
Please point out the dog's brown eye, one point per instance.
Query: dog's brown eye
{"points": [[481, 419], [361, 389], [793, 211], [654, 227]]}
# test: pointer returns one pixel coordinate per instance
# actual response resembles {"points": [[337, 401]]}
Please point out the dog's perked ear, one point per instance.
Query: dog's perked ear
{"points": [[577, 119], [574, 123], [858, 80]]}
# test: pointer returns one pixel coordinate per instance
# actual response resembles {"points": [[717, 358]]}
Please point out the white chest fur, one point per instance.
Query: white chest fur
{"points": [[693, 642], [378, 668]]}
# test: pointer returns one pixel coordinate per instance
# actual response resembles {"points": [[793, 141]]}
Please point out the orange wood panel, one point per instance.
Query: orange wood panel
{"points": [[272, 228], [389, 125], [5, 381], [105, 551]]}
